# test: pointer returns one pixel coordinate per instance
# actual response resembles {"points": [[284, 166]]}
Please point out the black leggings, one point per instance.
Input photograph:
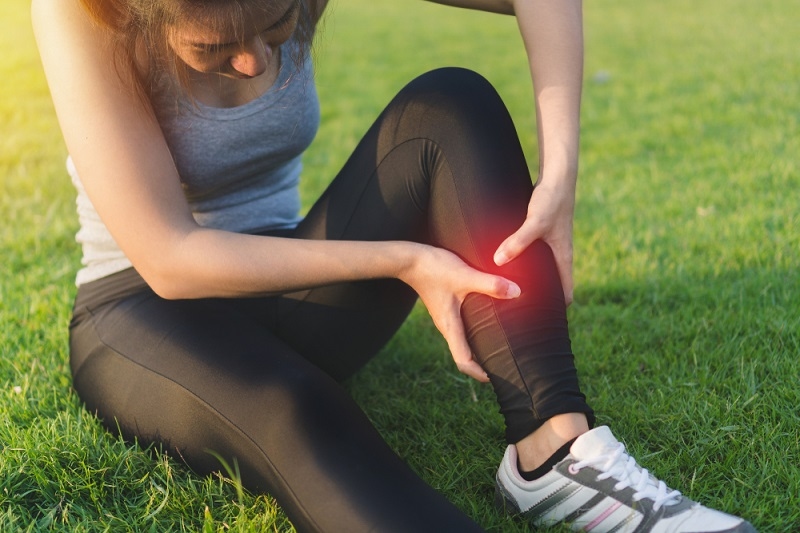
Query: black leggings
{"points": [[257, 379]]}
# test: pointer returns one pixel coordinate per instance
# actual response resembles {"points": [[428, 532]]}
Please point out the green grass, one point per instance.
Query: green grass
{"points": [[685, 321]]}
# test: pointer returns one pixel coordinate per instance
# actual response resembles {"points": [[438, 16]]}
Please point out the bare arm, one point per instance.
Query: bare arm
{"points": [[552, 31], [127, 170]]}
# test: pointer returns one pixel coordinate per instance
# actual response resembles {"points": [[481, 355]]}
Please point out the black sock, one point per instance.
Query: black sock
{"points": [[548, 465]]}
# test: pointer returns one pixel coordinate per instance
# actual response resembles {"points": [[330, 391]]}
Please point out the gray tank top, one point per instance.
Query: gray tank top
{"points": [[239, 167]]}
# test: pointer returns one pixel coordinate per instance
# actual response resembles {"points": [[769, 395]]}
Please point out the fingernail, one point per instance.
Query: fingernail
{"points": [[513, 290], [500, 258]]}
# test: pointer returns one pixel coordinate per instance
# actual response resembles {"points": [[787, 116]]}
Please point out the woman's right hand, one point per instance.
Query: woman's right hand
{"points": [[442, 281]]}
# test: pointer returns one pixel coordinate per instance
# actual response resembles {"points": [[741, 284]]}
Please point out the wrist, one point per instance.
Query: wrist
{"points": [[409, 258], [563, 172], [560, 189], [559, 162]]}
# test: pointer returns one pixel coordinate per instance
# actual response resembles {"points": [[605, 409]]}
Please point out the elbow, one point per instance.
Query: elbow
{"points": [[167, 290], [168, 283], [169, 272], [179, 270], [165, 287]]}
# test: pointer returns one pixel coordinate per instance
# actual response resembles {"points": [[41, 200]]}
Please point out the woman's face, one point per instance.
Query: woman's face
{"points": [[223, 51]]}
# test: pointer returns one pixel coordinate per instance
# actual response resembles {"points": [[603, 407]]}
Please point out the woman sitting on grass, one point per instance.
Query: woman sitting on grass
{"points": [[211, 317]]}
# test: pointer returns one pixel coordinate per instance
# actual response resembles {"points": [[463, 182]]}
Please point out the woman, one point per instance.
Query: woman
{"points": [[211, 318]]}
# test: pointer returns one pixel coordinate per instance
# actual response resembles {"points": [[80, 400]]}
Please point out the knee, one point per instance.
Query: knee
{"points": [[445, 101], [452, 79], [454, 86]]}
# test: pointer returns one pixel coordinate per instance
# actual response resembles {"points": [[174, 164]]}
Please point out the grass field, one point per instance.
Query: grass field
{"points": [[686, 319]]}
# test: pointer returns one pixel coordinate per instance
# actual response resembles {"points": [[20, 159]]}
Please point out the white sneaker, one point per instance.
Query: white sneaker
{"points": [[600, 488]]}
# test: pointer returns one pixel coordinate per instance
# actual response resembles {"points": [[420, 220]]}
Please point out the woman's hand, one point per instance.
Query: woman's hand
{"points": [[443, 281], [549, 218], [553, 37]]}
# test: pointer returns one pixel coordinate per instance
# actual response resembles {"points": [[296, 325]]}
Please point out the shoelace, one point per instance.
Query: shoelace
{"points": [[622, 467]]}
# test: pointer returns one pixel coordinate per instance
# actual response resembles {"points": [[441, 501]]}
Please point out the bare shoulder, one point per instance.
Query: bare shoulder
{"points": [[54, 14], [64, 28], [78, 53]]}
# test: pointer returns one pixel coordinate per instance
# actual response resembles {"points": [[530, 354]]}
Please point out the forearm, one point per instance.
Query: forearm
{"points": [[552, 31], [211, 263], [553, 36]]}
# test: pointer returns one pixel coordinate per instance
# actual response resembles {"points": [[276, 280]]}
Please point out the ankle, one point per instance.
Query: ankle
{"points": [[547, 466], [538, 447]]}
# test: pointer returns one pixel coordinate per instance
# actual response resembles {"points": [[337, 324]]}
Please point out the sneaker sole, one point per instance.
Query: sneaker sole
{"points": [[503, 503]]}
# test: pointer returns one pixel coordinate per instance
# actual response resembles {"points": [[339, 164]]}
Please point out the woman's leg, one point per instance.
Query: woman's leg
{"points": [[443, 165], [208, 375], [202, 375], [445, 154]]}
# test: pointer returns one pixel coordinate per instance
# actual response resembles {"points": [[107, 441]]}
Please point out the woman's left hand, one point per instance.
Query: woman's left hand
{"points": [[549, 218], [442, 281]]}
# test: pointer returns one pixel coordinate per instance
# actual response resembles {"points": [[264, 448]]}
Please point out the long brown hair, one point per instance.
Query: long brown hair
{"points": [[144, 26]]}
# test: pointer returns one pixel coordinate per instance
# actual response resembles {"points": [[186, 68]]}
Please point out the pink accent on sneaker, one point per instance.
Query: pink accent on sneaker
{"points": [[594, 523]]}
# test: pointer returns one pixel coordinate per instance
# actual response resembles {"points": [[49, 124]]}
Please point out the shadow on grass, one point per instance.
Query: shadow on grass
{"points": [[697, 374]]}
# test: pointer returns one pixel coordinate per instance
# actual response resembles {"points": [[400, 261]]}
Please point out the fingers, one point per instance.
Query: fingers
{"points": [[462, 354], [474, 370], [502, 288], [513, 246], [443, 295], [495, 287], [517, 242], [490, 285], [452, 329]]}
